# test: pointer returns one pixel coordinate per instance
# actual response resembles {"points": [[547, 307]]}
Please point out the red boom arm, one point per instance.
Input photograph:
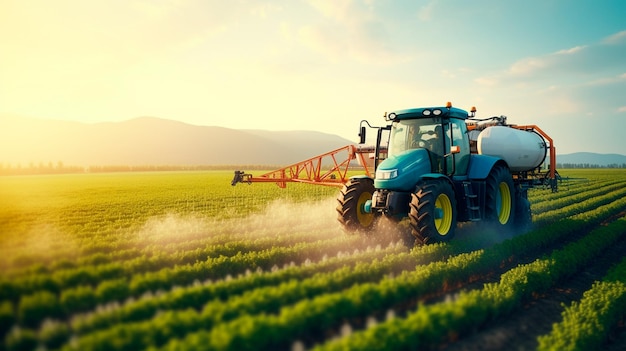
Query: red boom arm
{"points": [[330, 169]]}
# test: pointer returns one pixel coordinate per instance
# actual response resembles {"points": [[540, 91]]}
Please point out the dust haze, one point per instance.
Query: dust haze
{"points": [[37, 245], [286, 221], [313, 220]]}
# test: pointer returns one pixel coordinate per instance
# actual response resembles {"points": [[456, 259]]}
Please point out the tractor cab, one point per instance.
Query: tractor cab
{"points": [[443, 139], [424, 141]]}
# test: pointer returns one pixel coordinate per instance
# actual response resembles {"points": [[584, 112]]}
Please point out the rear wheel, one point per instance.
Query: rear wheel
{"points": [[432, 213], [523, 215], [499, 202], [351, 205]]}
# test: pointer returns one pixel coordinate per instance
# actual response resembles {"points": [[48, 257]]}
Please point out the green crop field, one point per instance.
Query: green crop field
{"points": [[185, 261]]}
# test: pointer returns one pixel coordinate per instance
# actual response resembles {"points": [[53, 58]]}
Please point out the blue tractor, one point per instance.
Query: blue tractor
{"points": [[440, 166]]}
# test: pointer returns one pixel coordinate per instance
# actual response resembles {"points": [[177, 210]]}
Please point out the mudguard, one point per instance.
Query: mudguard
{"points": [[433, 176], [481, 165]]}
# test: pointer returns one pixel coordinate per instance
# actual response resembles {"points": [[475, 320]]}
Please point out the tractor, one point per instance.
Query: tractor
{"points": [[436, 166]]}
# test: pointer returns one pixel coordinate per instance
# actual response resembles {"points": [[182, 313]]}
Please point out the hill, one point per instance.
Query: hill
{"points": [[153, 141], [590, 158], [156, 141]]}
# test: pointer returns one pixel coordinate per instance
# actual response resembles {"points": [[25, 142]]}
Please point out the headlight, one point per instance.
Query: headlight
{"points": [[386, 174]]}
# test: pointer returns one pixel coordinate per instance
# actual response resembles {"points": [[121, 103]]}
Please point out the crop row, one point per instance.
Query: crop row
{"points": [[193, 296], [47, 299], [323, 310], [87, 208], [431, 324], [267, 300], [33, 308], [587, 323], [105, 239], [571, 187], [576, 197], [154, 257], [316, 315], [145, 267], [158, 235], [91, 275], [197, 295], [579, 207], [215, 240]]}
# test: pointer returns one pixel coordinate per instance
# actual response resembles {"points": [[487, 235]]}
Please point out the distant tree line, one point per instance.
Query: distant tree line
{"points": [[589, 165], [38, 168]]}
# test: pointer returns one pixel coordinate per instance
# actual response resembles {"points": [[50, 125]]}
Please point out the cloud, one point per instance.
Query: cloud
{"points": [[580, 60], [582, 64], [607, 80], [528, 66], [615, 39], [571, 51], [572, 59]]}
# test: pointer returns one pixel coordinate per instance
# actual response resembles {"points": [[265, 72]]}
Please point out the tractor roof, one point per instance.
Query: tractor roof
{"points": [[441, 111]]}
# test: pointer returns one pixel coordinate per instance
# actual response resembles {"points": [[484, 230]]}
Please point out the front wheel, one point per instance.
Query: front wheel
{"points": [[351, 205], [432, 212], [499, 202]]}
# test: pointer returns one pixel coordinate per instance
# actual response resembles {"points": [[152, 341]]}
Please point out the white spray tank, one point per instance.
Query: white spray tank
{"points": [[521, 150]]}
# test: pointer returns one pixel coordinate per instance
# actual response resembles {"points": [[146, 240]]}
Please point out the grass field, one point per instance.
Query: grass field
{"points": [[182, 260]]}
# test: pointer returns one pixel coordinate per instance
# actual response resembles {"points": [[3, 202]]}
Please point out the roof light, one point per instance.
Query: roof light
{"points": [[448, 104], [426, 112], [437, 112]]}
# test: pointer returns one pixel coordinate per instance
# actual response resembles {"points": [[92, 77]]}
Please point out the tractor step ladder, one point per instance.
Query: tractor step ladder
{"points": [[471, 202]]}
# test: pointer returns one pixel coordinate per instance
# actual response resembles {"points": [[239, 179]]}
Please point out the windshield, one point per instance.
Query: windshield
{"points": [[414, 134]]}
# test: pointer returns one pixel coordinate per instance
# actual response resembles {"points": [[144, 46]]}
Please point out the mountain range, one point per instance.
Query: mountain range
{"points": [[581, 158], [156, 141]]}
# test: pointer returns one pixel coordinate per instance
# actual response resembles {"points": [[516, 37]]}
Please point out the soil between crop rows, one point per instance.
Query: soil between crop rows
{"points": [[519, 331]]}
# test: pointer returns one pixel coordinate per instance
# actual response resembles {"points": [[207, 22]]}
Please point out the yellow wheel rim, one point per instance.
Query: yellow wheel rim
{"points": [[444, 207], [503, 203], [365, 219]]}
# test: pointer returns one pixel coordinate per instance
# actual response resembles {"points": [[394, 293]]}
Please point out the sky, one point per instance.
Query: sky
{"points": [[320, 65]]}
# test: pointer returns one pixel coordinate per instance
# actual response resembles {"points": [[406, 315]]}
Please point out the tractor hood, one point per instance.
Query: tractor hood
{"points": [[401, 172]]}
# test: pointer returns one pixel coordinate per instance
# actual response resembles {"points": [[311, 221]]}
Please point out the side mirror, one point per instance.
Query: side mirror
{"points": [[362, 135]]}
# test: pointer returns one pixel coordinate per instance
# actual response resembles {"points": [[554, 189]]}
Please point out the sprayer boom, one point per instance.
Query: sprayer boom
{"points": [[330, 169]]}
